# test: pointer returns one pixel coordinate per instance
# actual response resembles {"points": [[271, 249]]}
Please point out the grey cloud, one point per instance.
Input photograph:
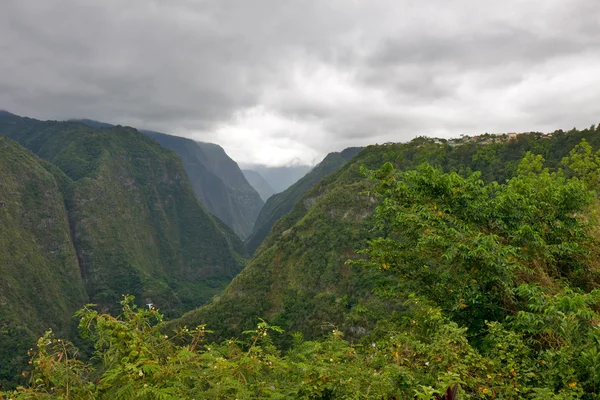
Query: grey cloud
{"points": [[323, 74]]}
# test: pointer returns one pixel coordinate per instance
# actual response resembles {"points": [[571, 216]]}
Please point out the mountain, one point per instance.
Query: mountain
{"points": [[259, 184], [281, 203], [40, 283], [279, 178], [134, 220], [217, 180], [299, 279], [455, 284], [222, 165]]}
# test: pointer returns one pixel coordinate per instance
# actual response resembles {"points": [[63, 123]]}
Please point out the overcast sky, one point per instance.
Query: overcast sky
{"points": [[277, 82]]}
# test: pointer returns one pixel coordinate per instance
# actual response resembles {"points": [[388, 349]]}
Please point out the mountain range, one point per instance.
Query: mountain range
{"points": [[279, 178], [299, 278], [91, 211], [217, 180], [90, 214]]}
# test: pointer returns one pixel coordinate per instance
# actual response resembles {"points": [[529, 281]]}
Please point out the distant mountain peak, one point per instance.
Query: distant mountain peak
{"points": [[259, 183], [217, 181], [279, 178]]}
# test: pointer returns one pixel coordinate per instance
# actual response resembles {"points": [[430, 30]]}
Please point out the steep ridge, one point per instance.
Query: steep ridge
{"points": [[281, 203], [245, 202], [299, 279], [259, 184], [40, 280], [217, 181], [482, 289], [136, 224]]}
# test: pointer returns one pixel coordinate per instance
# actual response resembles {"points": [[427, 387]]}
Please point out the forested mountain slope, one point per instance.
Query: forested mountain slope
{"points": [[217, 180], [299, 278], [40, 280], [135, 222], [245, 201], [455, 284], [281, 203]]}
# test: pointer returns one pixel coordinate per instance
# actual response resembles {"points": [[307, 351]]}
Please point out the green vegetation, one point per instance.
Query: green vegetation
{"points": [[217, 180], [38, 263], [490, 286], [105, 212], [135, 360], [495, 156], [282, 203], [298, 278], [135, 222], [398, 276]]}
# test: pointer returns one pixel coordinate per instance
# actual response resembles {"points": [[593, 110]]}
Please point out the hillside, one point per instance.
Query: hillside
{"points": [[455, 285], [37, 258], [299, 278], [281, 203], [259, 184], [217, 181], [245, 202], [135, 222]]}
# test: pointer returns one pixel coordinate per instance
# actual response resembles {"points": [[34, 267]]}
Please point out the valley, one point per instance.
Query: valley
{"points": [[463, 255]]}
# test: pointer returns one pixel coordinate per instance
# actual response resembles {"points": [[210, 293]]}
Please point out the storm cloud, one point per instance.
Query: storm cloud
{"points": [[277, 82]]}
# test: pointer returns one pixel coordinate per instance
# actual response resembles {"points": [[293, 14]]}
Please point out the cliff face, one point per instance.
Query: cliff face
{"points": [[135, 222], [217, 180], [40, 280]]}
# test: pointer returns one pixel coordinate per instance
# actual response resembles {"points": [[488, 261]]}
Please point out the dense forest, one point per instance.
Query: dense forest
{"points": [[280, 204], [410, 269], [217, 180], [89, 214]]}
